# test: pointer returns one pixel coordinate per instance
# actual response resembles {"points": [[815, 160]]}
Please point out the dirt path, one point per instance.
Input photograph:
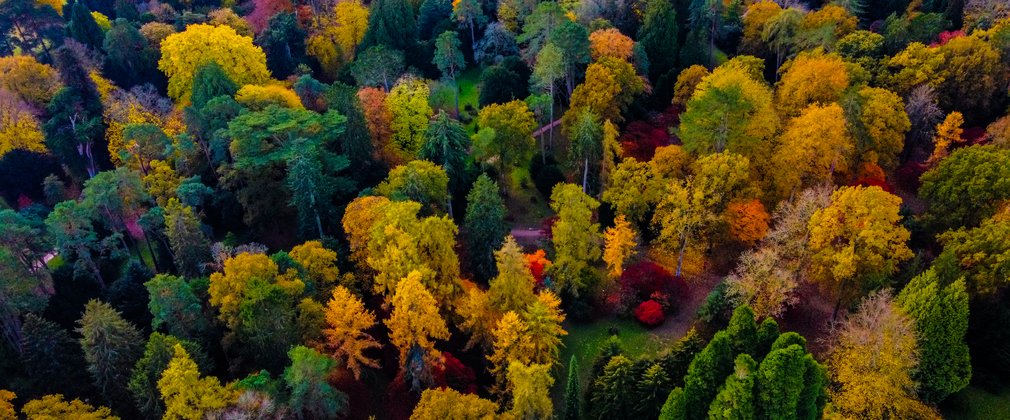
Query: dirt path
{"points": [[698, 289]]}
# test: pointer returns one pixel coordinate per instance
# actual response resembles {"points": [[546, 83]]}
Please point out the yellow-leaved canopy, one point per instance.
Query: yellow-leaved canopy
{"points": [[184, 52]]}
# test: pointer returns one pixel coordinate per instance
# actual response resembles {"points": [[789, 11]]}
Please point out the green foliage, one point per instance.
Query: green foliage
{"points": [[378, 66], [484, 225], [420, 181], [111, 348], [283, 41], [706, 374], [306, 378], [143, 384], [209, 82], [743, 332], [176, 308], [780, 382], [941, 321], [576, 238], [83, 28], [573, 392], [189, 245], [966, 187], [736, 398], [390, 23], [610, 397], [658, 35]]}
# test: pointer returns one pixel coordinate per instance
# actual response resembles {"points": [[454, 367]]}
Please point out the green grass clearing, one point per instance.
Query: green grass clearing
{"points": [[977, 403]]}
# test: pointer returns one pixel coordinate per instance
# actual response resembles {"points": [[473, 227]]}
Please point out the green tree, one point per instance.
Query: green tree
{"points": [[576, 238], [111, 347], [313, 189], [411, 113], [941, 320], [70, 228], [447, 144], [538, 28], [511, 142], [743, 331], [176, 308], [449, 60], [420, 181], [780, 382], [586, 137], [707, 372], [143, 383], [736, 398], [470, 15], [573, 41], [115, 197], [549, 68], [658, 35], [651, 391], [484, 225], [74, 125], [189, 245], [966, 187], [378, 65], [311, 395], [610, 397], [573, 392], [83, 28], [978, 254], [209, 82], [390, 23], [48, 351]]}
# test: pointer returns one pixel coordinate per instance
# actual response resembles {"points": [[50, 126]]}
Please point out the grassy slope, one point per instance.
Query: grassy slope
{"points": [[977, 403]]}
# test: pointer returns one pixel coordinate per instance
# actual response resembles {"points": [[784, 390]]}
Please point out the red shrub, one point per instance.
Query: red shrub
{"points": [[907, 175], [650, 313], [640, 139], [946, 36], [454, 374], [538, 264]]}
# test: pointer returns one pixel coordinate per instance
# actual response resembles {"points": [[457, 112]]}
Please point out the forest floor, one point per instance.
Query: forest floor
{"points": [[977, 403]]}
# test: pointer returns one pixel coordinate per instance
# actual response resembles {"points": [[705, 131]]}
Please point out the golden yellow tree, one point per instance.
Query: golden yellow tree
{"points": [[345, 336], [449, 404], [359, 217], [161, 181], [610, 42], [619, 245], [415, 323], [872, 361], [811, 78], [948, 133], [512, 289], [319, 263], [227, 289], [543, 320], [857, 241], [509, 341], [531, 386], [815, 146], [184, 52], [54, 407], [19, 129], [257, 97], [6, 406], [31, 81], [186, 395]]}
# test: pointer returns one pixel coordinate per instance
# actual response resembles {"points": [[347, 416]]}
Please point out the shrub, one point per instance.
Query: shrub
{"points": [[650, 313]]}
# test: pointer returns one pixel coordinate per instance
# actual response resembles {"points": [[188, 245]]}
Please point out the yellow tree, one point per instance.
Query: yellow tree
{"points": [[687, 82], [31, 81], [531, 386], [319, 263], [359, 217], [509, 343], [55, 407], [857, 241], [161, 181], [814, 147], [619, 245], [6, 406], [449, 404], [186, 395], [811, 78], [512, 288], [19, 129], [610, 42], [408, 106], [872, 361], [478, 318], [543, 320], [184, 52], [948, 133], [576, 237], [633, 189], [228, 288], [257, 98], [345, 336], [881, 126], [414, 325]]}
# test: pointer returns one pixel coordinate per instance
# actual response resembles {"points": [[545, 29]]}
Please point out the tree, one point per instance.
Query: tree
{"points": [[48, 351], [83, 28], [189, 245], [811, 79], [176, 307], [283, 42], [976, 77], [470, 15], [484, 225], [378, 65], [408, 105], [531, 386], [447, 144], [75, 123], [512, 289], [306, 378], [186, 395], [941, 320], [114, 198], [977, 254], [111, 347], [610, 397], [619, 245], [345, 336], [512, 125], [610, 87], [729, 111], [539, 27], [736, 399], [143, 385], [814, 146], [257, 98], [857, 241], [414, 325], [55, 407], [948, 133], [185, 52], [878, 122], [706, 373], [657, 36], [69, 225], [781, 33], [449, 404], [633, 190], [575, 237], [29, 80], [610, 42], [543, 319], [420, 181], [130, 59], [585, 135], [449, 60], [549, 68], [780, 382], [573, 40], [508, 344], [872, 363], [20, 129], [573, 392], [391, 23], [964, 188]]}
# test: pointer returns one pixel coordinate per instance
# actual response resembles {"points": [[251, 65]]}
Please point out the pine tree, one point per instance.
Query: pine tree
{"points": [[189, 245], [83, 28], [658, 36], [311, 395], [391, 23], [484, 226], [111, 347], [48, 351], [209, 82], [143, 383], [736, 398], [743, 331], [447, 144], [651, 391], [708, 371], [573, 392], [610, 398]]}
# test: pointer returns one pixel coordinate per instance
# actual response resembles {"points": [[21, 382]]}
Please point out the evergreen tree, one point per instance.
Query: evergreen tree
{"points": [[484, 226], [391, 23], [48, 351], [651, 391], [143, 383], [573, 392], [941, 320], [129, 58], [176, 308], [736, 398], [743, 331], [447, 144], [357, 140], [674, 408], [311, 191], [658, 36], [609, 397], [189, 245], [311, 395], [780, 382], [283, 41], [111, 347], [83, 28], [209, 82], [708, 371]]}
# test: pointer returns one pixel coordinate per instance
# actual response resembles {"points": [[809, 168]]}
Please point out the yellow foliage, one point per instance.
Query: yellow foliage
{"points": [[415, 321], [54, 407], [102, 21], [831, 15], [55, 4], [156, 32], [117, 121], [449, 404], [811, 78], [477, 318], [619, 245], [410, 112], [543, 320], [359, 217], [161, 182], [103, 85], [185, 394], [351, 22], [948, 133], [610, 42], [885, 122], [19, 129], [33, 82], [814, 147], [257, 97], [915, 65], [345, 336], [531, 385], [227, 289], [509, 338], [6, 406], [670, 162], [320, 264], [758, 14], [227, 16], [687, 81], [183, 53]]}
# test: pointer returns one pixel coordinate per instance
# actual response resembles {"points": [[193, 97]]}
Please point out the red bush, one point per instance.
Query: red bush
{"points": [[454, 374], [640, 139], [647, 277], [650, 313]]}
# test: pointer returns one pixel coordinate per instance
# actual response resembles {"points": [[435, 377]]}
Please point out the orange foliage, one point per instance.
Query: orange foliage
{"points": [[538, 265], [747, 220], [379, 120], [610, 43]]}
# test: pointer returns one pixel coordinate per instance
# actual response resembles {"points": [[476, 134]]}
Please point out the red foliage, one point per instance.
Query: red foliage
{"points": [[640, 140], [650, 313], [647, 277], [871, 174], [454, 374], [946, 36], [547, 227], [263, 10], [974, 135], [538, 264], [907, 175], [24, 201]]}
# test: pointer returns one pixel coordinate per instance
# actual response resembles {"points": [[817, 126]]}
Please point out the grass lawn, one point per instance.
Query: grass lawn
{"points": [[442, 94], [977, 403], [584, 341]]}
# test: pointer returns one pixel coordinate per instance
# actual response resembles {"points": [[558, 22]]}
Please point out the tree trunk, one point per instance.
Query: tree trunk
{"points": [[680, 258], [585, 176], [456, 92]]}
